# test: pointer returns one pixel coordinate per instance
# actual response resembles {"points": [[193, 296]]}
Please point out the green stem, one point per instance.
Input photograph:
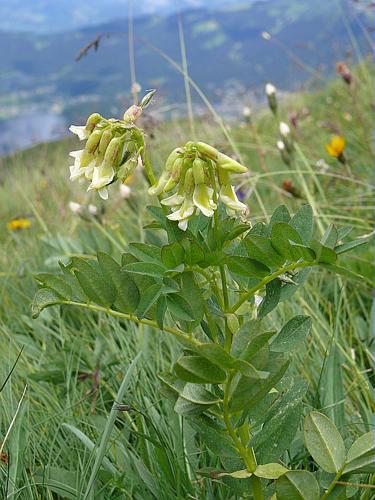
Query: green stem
{"points": [[268, 279], [334, 482], [147, 166], [130, 317]]}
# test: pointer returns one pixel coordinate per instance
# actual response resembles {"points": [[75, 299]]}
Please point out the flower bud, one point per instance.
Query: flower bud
{"points": [[85, 158], [207, 150], [147, 99], [127, 168], [189, 182], [198, 170], [93, 141], [112, 151], [104, 141], [132, 113], [233, 323], [343, 70], [176, 153], [270, 89], [227, 163], [92, 121], [284, 129], [271, 97]]}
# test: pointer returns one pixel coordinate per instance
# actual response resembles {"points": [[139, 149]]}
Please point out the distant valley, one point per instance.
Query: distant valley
{"points": [[227, 57]]}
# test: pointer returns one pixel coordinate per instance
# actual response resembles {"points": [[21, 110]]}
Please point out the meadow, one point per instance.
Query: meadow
{"points": [[61, 372]]}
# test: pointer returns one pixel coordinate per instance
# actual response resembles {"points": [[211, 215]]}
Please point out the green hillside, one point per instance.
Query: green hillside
{"points": [[225, 51]]}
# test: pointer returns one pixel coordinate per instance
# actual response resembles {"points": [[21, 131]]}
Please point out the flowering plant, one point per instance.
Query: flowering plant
{"points": [[210, 283]]}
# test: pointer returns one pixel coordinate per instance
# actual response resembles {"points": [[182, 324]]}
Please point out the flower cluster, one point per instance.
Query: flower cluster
{"points": [[112, 148], [200, 177]]}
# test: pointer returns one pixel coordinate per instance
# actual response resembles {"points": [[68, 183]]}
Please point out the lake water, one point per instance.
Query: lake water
{"points": [[28, 129]]}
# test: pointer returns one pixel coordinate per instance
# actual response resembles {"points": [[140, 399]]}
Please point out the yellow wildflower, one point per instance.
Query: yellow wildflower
{"points": [[336, 147], [18, 224]]}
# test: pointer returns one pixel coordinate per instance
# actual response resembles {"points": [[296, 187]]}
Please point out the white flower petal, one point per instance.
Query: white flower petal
{"points": [[103, 193], [229, 198], [102, 176], [80, 131], [172, 201], [75, 207], [202, 198], [183, 224]]}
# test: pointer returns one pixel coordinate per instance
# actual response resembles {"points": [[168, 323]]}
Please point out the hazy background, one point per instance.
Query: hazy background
{"points": [[43, 87]]}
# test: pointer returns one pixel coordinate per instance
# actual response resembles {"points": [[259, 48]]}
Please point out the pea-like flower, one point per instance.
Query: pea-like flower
{"points": [[201, 176]]}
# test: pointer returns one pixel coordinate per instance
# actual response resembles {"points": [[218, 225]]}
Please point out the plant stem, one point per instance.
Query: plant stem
{"points": [[117, 314], [247, 455], [268, 279], [148, 167], [334, 482]]}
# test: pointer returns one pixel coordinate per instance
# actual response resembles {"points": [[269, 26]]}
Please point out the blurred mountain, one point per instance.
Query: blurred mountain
{"points": [[46, 16], [226, 56]]}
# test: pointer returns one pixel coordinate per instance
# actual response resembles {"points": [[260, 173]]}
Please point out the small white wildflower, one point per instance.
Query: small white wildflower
{"points": [[125, 191], [246, 112], [280, 145], [270, 89], [284, 129], [93, 210], [75, 207]]}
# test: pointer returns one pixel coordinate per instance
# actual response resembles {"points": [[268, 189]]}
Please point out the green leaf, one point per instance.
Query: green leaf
{"points": [[95, 286], [237, 474], [270, 471], [56, 283], [281, 214], [191, 292], [248, 392], [361, 455], [127, 298], [148, 299], [146, 268], [246, 267], [61, 481], [145, 252], [272, 298], [194, 253], [330, 237], [303, 222], [218, 356], [259, 248], [297, 485], [281, 421], [346, 247], [199, 370], [172, 255], [180, 308], [187, 408], [43, 298], [301, 252], [324, 442], [161, 307], [281, 236], [197, 394], [291, 334], [323, 254]]}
